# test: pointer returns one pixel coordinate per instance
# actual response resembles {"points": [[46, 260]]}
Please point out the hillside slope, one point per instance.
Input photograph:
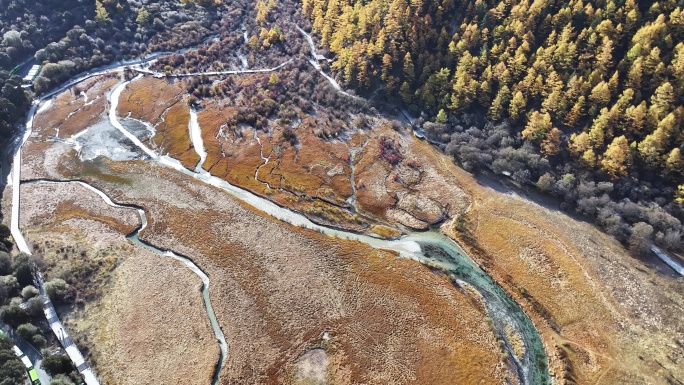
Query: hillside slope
{"points": [[567, 95]]}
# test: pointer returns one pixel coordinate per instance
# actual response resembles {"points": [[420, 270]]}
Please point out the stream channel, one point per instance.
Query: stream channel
{"points": [[429, 248], [135, 239]]}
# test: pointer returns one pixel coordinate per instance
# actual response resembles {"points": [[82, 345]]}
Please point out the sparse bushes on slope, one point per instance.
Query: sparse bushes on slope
{"points": [[61, 379], [57, 289], [14, 315]]}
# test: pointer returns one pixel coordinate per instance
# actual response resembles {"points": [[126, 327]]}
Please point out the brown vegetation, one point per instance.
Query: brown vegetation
{"points": [[233, 156], [600, 316], [317, 168], [162, 104], [297, 179], [411, 191], [390, 320], [75, 109], [136, 311], [604, 316], [373, 304]]}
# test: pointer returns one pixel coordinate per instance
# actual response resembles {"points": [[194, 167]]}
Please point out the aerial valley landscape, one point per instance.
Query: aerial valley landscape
{"points": [[341, 192]]}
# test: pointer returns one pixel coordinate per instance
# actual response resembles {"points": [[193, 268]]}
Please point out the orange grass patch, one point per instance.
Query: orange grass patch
{"points": [[70, 113], [137, 309], [162, 104], [392, 320], [276, 288]]}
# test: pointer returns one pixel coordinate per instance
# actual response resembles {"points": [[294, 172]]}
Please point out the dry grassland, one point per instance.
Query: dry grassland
{"points": [[232, 157], [75, 109], [599, 309], [277, 289], [594, 320], [137, 312], [604, 316], [45, 159], [317, 168], [314, 177], [316, 188]]}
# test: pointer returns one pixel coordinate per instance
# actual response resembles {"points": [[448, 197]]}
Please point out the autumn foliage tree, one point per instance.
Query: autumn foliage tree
{"points": [[595, 88], [614, 67]]}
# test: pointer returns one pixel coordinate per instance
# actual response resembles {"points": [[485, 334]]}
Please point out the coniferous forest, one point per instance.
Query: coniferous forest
{"points": [[583, 99]]}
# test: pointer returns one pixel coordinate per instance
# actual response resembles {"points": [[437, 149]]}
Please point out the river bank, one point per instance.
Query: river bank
{"points": [[543, 261], [123, 288], [240, 337]]}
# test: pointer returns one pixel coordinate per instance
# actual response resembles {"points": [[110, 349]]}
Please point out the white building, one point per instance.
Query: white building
{"points": [[33, 72]]}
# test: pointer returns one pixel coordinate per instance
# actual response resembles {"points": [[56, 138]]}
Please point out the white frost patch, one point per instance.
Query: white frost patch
{"points": [[243, 59], [196, 139], [114, 103], [244, 33], [312, 367], [44, 106]]}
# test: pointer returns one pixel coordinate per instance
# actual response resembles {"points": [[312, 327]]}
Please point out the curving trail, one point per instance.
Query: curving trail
{"points": [[212, 73], [314, 62], [67, 343], [16, 188]]}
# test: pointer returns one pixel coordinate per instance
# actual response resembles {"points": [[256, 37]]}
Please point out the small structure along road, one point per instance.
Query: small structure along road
{"points": [[63, 337], [29, 356], [32, 74]]}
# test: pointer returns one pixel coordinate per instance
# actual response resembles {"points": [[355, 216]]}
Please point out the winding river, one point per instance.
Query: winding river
{"points": [[135, 239], [430, 248]]}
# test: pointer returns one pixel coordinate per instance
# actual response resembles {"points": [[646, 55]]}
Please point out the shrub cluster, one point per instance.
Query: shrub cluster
{"points": [[621, 207]]}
